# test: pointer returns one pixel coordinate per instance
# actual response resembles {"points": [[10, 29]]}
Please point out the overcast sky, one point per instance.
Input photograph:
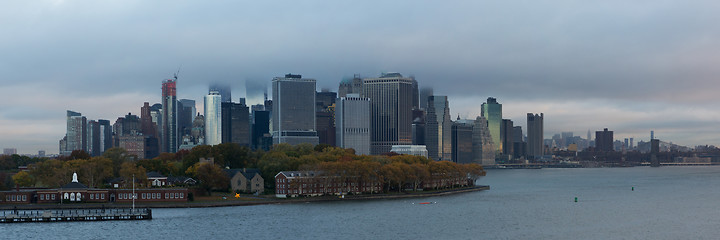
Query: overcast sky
{"points": [[630, 66]]}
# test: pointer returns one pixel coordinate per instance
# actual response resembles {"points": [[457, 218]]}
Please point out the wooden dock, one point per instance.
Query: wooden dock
{"points": [[69, 215]]}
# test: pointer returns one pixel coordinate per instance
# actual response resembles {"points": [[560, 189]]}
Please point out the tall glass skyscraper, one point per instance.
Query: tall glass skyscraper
{"points": [[439, 128], [391, 103], [492, 111], [169, 128], [213, 118], [294, 110]]}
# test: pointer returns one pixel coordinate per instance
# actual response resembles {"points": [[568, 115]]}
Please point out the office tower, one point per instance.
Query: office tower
{"points": [[535, 148], [626, 143], [424, 94], [352, 120], [261, 130], [652, 135], [198, 131], [631, 143], [223, 90], [462, 141], [350, 85], [186, 114], [439, 127], [213, 118], [604, 140], [492, 111], [93, 138], [325, 116], [294, 110], [235, 123], [506, 135], [418, 126], [41, 153], [390, 111], [589, 136], [169, 116], [519, 146], [483, 146], [9, 151], [416, 94], [147, 126], [76, 136], [105, 135]]}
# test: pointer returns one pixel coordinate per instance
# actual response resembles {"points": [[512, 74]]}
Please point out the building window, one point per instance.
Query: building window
{"points": [[42, 196], [166, 195], [177, 195], [92, 196], [24, 197], [13, 198], [102, 196], [53, 197], [181, 195], [143, 196]]}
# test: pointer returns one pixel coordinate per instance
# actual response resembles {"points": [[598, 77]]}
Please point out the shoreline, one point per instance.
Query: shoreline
{"points": [[230, 203]]}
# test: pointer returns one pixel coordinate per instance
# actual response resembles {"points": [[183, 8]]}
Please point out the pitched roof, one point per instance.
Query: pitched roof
{"points": [[248, 173], [154, 175], [74, 185]]}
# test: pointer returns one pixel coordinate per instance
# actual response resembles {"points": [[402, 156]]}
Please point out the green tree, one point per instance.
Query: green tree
{"points": [[23, 179], [79, 154], [118, 156], [128, 169], [211, 177]]}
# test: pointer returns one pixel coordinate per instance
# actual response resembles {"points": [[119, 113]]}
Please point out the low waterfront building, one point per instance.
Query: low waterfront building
{"points": [[417, 150], [156, 179], [76, 192], [316, 183]]}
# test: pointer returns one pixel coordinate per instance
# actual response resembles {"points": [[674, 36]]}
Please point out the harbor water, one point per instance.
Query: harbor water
{"points": [[612, 203]]}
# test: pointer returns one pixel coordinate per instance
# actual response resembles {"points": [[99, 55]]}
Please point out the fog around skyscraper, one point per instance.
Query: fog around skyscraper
{"points": [[649, 63]]}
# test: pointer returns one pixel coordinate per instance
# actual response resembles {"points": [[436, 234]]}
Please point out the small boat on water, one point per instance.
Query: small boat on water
{"points": [[426, 203]]}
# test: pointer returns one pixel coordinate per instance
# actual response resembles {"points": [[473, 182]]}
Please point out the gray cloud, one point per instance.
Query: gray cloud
{"points": [[630, 56]]}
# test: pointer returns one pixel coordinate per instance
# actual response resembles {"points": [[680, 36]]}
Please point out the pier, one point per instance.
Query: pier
{"points": [[69, 215]]}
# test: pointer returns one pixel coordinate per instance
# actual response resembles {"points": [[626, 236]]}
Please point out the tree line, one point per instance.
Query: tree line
{"points": [[391, 169]]}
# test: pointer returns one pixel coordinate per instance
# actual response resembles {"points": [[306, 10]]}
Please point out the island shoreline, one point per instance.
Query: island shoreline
{"points": [[231, 203]]}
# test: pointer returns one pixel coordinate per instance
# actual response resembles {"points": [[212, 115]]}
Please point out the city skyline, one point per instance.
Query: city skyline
{"points": [[628, 67]]}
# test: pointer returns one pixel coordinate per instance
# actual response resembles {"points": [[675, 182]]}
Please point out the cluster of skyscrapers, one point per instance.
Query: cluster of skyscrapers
{"points": [[370, 115]]}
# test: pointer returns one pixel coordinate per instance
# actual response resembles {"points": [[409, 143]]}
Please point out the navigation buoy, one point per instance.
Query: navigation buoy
{"points": [[633, 189], [575, 199]]}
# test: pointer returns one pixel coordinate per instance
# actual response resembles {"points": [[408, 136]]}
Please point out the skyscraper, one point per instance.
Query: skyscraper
{"points": [[352, 119], [76, 133], [391, 97], [424, 94], [223, 89], [519, 146], [492, 111], [462, 141], [507, 137], [439, 129], [235, 123], [535, 135], [261, 129], [93, 138], [483, 146], [185, 116], [325, 116], [169, 130], [350, 85], [213, 118], [105, 135], [294, 110], [604, 140]]}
